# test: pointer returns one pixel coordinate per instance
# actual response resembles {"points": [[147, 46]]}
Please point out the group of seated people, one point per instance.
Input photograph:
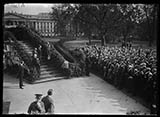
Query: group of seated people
{"points": [[133, 69]]}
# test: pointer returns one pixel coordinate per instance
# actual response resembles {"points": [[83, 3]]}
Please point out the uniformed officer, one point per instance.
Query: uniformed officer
{"points": [[37, 107]]}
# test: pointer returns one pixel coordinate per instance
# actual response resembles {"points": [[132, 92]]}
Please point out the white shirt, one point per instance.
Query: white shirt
{"points": [[66, 64]]}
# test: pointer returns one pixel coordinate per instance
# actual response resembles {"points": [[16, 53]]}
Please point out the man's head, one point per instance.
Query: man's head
{"points": [[50, 92]]}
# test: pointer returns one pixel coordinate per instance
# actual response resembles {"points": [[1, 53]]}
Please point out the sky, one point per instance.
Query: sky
{"points": [[28, 8]]}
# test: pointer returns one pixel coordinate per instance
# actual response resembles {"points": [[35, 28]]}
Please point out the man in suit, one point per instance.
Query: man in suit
{"points": [[37, 107], [66, 69], [87, 62], [48, 102], [21, 74]]}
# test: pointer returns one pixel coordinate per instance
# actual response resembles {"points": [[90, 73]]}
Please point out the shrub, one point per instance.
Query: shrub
{"points": [[23, 56]]}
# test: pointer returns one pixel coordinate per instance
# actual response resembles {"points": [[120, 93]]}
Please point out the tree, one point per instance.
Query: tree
{"points": [[126, 24], [147, 15], [151, 19], [104, 17], [62, 14], [108, 19]]}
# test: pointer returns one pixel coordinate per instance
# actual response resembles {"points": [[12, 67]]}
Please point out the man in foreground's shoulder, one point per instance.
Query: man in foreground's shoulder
{"points": [[48, 102]]}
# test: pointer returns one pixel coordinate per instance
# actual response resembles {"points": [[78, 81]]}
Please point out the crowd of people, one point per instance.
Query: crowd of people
{"points": [[134, 69]]}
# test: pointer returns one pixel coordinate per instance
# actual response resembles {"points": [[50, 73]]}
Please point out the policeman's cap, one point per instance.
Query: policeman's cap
{"points": [[38, 95]]}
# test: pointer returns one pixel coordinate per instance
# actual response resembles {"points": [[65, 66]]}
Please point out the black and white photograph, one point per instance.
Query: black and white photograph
{"points": [[80, 59]]}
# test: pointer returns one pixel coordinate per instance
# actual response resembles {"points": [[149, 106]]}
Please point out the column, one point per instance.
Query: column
{"points": [[46, 27], [49, 28], [53, 24], [43, 28], [14, 23], [53, 27], [40, 26], [33, 24], [36, 25]]}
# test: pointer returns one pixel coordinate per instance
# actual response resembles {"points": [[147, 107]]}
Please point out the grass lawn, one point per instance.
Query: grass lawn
{"points": [[82, 43]]}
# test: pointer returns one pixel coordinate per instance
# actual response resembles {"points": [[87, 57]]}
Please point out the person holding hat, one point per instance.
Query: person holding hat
{"points": [[48, 102], [37, 107]]}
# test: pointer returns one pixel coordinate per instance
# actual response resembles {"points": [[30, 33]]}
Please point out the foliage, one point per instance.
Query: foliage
{"points": [[135, 113], [65, 53], [109, 20], [22, 56], [147, 26], [62, 14]]}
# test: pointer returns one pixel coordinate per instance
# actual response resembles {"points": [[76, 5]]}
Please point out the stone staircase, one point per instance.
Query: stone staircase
{"points": [[48, 70], [27, 47]]}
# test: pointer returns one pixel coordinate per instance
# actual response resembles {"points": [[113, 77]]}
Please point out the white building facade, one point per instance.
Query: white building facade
{"points": [[41, 23]]}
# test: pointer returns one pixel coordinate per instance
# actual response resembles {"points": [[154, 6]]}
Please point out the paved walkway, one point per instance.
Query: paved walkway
{"points": [[83, 95]]}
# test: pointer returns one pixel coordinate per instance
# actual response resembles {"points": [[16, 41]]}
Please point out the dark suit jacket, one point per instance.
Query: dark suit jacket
{"points": [[20, 71], [49, 104]]}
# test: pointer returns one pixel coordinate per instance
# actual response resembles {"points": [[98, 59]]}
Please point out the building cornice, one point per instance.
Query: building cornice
{"points": [[29, 17]]}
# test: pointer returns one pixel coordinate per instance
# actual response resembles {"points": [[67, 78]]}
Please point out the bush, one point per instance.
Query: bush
{"points": [[23, 56], [64, 53], [74, 63]]}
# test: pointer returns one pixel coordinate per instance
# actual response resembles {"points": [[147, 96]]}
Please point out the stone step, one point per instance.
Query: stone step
{"points": [[29, 52], [48, 72], [48, 79], [47, 69], [50, 75], [44, 66], [26, 48]]}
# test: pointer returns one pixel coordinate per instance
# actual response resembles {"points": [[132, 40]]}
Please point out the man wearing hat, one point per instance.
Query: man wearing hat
{"points": [[48, 102], [36, 107]]}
